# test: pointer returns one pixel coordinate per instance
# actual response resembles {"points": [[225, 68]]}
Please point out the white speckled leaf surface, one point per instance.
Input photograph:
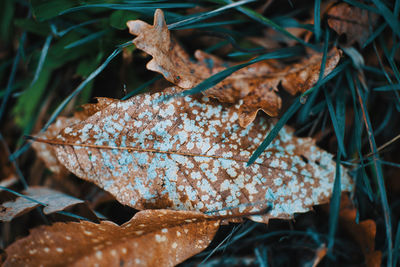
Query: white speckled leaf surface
{"points": [[209, 172]]}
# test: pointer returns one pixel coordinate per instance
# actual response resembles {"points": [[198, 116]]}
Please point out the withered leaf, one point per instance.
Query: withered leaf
{"points": [[159, 151], [45, 152], [256, 85], [150, 238], [363, 232], [54, 201], [355, 22]]}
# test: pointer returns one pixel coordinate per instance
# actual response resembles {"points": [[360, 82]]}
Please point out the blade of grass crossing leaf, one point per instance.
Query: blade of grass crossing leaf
{"points": [[42, 58], [335, 123], [142, 87], [12, 74], [218, 77], [380, 180], [23, 196], [66, 213], [388, 16], [274, 132], [375, 34], [329, 77], [80, 87], [317, 19], [305, 111]]}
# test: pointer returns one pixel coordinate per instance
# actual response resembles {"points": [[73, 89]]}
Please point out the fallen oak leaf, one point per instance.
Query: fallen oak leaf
{"points": [[158, 151], [256, 85], [352, 21], [150, 238], [52, 200]]}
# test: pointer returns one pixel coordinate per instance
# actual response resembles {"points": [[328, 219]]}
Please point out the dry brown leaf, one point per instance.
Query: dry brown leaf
{"points": [[54, 201], [46, 153], [355, 22], [256, 85], [150, 238], [363, 233], [160, 151]]}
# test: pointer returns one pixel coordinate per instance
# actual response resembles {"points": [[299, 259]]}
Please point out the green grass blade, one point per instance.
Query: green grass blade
{"points": [[389, 87], [334, 206], [13, 72], [388, 16], [317, 19], [42, 58], [380, 179], [336, 127], [218, 77], [142, 87], [207, 15], [63, 104], [375, 34], [263, 20], [274, 132], [84, 40], [132, 7]]}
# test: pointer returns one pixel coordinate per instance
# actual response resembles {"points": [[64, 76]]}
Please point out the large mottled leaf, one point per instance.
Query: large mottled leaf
{"points": [[160, 151], [254, 87], [52, 200], [150, 238]]}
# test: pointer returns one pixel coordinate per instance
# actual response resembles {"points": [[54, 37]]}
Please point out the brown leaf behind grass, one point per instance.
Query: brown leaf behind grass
{"points": [[160, 151], [356, 23], [256, 85], [150, 238]]}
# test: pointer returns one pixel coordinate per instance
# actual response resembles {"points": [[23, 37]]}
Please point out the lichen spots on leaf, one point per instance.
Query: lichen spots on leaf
{"points": [[196, 162]]}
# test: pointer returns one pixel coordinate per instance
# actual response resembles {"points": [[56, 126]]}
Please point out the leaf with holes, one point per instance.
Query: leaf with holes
{"points": [[255, 85], [161, 151], [52, 200], [150, 238]]}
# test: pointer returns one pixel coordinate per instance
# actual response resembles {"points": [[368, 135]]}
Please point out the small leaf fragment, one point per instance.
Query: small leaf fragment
{"points": [[150, 238], [54, 201]]}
